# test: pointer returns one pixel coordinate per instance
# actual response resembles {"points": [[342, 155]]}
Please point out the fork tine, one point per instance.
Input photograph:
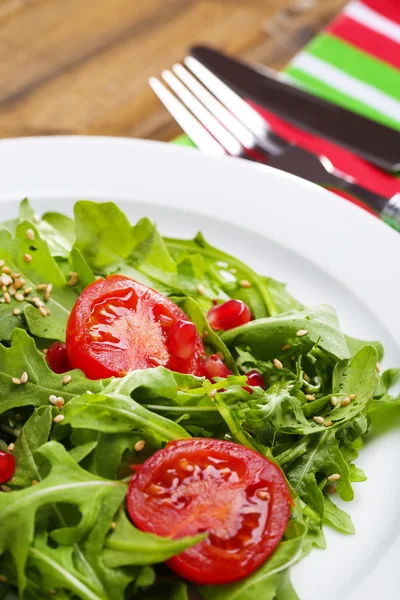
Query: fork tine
{"points": [[190, 125], [243, 111], [222, 135], [232, 124]]}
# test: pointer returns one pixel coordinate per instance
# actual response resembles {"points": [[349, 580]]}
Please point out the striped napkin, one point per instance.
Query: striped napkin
{"points": [[354, 62]]}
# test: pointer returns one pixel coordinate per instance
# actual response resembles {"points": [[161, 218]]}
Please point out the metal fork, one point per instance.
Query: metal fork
{"points": [[220, 122]]}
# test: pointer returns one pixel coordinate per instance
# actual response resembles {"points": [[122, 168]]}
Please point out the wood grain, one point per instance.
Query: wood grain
{"points": [[78, 67]]}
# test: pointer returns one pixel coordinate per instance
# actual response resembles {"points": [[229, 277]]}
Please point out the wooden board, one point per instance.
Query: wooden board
{"points": [[80, 67]]}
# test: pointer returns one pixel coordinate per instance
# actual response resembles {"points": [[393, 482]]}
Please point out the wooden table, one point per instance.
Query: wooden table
{"points": [[81, 66]]}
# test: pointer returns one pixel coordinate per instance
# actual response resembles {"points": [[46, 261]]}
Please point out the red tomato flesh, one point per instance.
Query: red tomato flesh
{"points": [[228, 315], [7, 466], [236, 495], [119, 325], [57, 358]]}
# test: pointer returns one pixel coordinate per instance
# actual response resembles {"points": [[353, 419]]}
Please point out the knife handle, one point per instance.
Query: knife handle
{"points": [[375, 201]]}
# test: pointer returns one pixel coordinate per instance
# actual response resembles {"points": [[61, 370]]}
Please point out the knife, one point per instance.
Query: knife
{"points": [[373, 141]]}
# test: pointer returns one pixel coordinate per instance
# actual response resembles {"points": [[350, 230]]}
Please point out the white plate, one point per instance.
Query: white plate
{"points": [[326, 249]]}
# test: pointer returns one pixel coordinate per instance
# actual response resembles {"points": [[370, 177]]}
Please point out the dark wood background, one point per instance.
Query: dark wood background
{"points": [[81, 66]]}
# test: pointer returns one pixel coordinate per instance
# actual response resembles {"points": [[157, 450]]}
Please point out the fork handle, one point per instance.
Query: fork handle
{"points": [[371, 199]]}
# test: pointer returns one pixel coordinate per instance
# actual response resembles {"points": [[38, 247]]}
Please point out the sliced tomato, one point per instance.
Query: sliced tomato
{"points": [[118, 325], [235, 495]]}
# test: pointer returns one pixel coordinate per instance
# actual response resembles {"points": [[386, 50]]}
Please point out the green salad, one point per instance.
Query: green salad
{"points": [[86, 510]]}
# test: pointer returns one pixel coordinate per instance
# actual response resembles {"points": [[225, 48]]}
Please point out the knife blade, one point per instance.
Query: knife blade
{"points": [[378, 144]]}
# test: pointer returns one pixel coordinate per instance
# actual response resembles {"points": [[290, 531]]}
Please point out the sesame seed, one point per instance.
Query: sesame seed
{"points": [[139, 445], [73, 278], [2, 300], [60, 403], [41, 286], [5, 279], [319, 420], [2, 263], [205, 334], [16, 380], [245, 283], [220, 355], [212, 393], [43, 311], [277, 364], [27, 257], [37, 302], [334, 477], [331, 489], [36, 218], [11, 447], [18, 284], [286, 347], [378, 367], [48, 291], [67, 379], [3, 578], [34, 482], [328, 423], [113, 525], [301, 332], [6, 270], [3, 288], [291, 386], [53, 399], [7, 297], [310, 397], [5, 488], [307, 378], [345, 402], [19, 297], [201, 289], [11, 289], [16, 311], [24, 377], [58, 418], [334, 400], [263, 495], [353, 396], [15, 275], [27, 291], [30, 234]]}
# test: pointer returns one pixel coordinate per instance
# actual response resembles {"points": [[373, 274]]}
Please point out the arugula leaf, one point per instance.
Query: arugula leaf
{"points": [[127, 545], [266, 337], [312, 458], [42, 382], [114, 411], [34, 434], [260, 299], [337, 518], [66, 483]]}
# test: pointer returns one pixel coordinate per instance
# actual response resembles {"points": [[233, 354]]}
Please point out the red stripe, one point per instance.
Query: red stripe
{"points": [[367, 39], [387, 8], [363, 172]]}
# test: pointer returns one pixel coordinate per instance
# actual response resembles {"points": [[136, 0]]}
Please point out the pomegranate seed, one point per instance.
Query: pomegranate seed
{"points": [[183, 339], [214, 367], [7, 466], [254, 378], [57, 358], [228, 315]]}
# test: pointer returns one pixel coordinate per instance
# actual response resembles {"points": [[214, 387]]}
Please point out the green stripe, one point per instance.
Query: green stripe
{"points": [[356, 63], [322, 89]]}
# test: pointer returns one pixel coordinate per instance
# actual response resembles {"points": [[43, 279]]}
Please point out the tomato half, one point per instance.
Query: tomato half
{"points": [[237, 496], [118, 325]]}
